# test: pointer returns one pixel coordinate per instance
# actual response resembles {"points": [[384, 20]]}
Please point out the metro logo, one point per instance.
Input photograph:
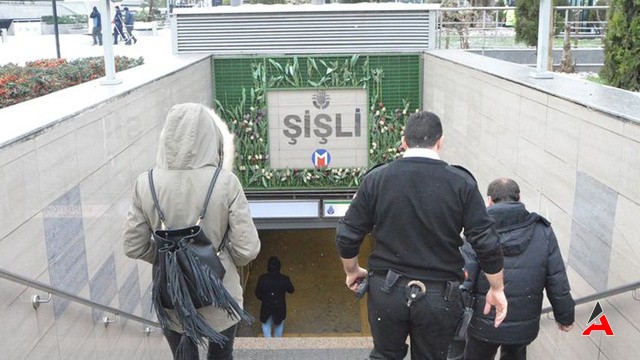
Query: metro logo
{"points": [[321, 158], [602, 323]]}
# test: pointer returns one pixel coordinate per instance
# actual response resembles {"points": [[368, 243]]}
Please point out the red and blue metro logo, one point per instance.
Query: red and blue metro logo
{"points": [[321, 158], [598, 322]]}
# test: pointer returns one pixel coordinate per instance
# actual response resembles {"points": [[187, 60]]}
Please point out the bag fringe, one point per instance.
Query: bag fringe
{"points": [[208, 287]]}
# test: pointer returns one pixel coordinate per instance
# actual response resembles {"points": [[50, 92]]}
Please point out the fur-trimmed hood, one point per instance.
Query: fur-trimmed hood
{"points": [[193, 136]]}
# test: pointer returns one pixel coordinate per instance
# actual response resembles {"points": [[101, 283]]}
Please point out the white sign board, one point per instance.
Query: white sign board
{"points": [[335, 208], [318, 128]]}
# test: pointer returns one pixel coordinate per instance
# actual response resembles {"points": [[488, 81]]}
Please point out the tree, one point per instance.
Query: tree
{"points": [[527, 15], [622, 45]]}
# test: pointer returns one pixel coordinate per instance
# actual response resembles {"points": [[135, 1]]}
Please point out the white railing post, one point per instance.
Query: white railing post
{"points": [[107, 44], [544, 32]]}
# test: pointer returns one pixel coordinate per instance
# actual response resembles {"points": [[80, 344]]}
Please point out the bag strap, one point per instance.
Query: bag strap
{"points": [[156, 204], [155, 199]]}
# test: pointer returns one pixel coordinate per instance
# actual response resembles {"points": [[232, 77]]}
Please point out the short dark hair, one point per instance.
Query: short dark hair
{"points": [[423, 130], [126, 8], [503, 190]]}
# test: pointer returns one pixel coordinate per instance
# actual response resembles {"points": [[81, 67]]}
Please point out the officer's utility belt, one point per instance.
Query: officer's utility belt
{"points": [[415, 289]]}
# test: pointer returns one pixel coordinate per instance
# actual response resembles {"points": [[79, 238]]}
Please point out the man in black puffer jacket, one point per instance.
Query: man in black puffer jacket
{"points": [[532, 263]]}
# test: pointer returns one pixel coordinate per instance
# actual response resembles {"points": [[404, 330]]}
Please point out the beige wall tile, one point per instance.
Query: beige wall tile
{"points": [[102, 238], [23, 327], [562, 136], [490, 136], [531, 158], [75, 328], [57, 167], [54, 132], [625, 342], [630, 170], [103, 187], [14, 151], [579, 288], [560, 222], [533, 121], [625, 247], [631, 130], [90, 146], [46, 348], [23, 253], [20, 192], [600, 155], [585, 114], [559, 181], [459, 119], [535, 95]]}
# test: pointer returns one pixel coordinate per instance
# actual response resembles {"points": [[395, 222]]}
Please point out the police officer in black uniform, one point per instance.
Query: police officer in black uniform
{"points": [[416, 208]]}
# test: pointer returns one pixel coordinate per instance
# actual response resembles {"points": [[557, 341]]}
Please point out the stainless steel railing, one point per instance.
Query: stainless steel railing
{"points": [[35, 300], [604, 294], [492, 27]]}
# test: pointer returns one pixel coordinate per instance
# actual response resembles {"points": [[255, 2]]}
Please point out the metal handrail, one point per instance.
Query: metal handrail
{"points": [[51, 290], [602, 294]]}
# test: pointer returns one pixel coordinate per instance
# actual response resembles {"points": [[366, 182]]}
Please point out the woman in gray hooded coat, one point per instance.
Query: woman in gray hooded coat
{"points": [[193, 143]]}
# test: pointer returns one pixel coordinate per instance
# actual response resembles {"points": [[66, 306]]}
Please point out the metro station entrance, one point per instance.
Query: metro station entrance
{"points": [[321, 304]]}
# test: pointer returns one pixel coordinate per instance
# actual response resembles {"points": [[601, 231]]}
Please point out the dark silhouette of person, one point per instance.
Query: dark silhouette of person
{"points": [[96, 30], [271, 290], [117, 26]]}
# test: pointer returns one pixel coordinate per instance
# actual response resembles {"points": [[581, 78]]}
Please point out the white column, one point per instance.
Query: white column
{"points": [[544, 32], [107, 44]]}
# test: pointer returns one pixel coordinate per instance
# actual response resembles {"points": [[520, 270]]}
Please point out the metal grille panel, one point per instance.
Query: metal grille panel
{"points": [[281, 30]]}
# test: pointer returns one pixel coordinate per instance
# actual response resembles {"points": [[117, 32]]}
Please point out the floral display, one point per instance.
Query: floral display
{"points": [[248, 120], [41, 77]]}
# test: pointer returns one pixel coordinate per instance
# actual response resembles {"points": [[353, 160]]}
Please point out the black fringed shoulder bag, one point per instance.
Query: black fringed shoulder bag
{"points": [[187, 274]]}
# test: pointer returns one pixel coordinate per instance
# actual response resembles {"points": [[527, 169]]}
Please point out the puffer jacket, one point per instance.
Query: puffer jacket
{"points": [[532, 263], [193, 143]]}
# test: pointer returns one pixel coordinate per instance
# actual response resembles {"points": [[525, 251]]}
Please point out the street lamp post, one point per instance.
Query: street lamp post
{"points": [[55, 27]]}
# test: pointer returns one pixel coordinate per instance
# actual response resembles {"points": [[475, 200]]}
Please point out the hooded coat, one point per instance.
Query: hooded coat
{"points": [[532, 263], [193, 143]]}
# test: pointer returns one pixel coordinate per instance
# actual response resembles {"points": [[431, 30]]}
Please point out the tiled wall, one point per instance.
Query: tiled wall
{"points": [[64, 193], [577, 166]]}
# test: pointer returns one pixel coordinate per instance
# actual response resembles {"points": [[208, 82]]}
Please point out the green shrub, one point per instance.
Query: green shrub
{"points": [[41, 77], [66, 19], [527, 15], [622, 45], [268, 2]]}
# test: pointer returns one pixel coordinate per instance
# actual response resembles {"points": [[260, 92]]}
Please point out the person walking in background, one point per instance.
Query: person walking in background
{"points": [[193, 144], [117, 26], [129, 19], [96, 30], [532, 263], [415, 208], [271, 291]]}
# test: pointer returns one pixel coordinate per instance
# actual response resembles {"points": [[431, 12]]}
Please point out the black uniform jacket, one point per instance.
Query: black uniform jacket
{"points": [[416, 208]]}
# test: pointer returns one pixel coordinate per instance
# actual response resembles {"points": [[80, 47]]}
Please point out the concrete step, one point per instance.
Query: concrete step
{"points": [[303, 348]]}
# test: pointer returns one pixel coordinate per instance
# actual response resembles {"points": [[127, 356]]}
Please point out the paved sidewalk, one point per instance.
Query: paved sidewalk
{"points": [[19, 49]]}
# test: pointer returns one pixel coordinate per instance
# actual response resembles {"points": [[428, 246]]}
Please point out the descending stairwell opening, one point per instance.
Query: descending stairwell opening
{"points": [[321, 304]]}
